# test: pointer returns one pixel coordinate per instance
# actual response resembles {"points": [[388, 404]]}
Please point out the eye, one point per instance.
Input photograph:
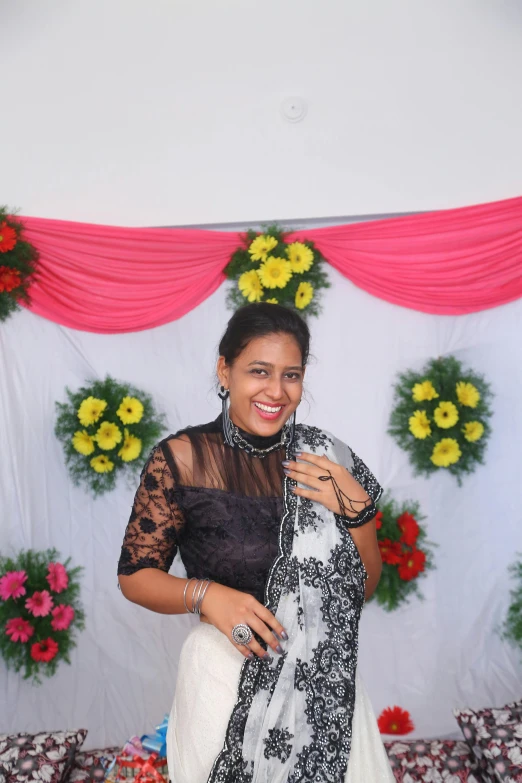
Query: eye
{"points": [[258, 371], [294, 376]]}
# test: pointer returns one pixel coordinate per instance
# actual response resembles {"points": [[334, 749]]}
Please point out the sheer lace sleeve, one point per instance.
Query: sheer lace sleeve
{"points": [[363, 475], [151, 535]]}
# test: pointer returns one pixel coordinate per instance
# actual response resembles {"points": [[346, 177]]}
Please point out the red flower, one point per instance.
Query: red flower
{"points": [[378, 520], [7, 237], [45, 651], [9, 278], [409, 529], [395, 720], [19, 630], [412, 563], [391, 551]]}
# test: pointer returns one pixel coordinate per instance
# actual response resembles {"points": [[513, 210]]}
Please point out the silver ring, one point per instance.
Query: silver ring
{"points": [[241, 634]]}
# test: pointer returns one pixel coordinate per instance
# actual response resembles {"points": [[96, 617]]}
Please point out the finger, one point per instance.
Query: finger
{"points": [[303, 478], [315, 459], [311, 494], [306, 469], [270, 620], [265, 633], [256, 649]]}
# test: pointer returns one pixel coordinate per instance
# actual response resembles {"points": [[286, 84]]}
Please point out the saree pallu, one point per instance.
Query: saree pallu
{"points": [[206, 692], [290, 720]]}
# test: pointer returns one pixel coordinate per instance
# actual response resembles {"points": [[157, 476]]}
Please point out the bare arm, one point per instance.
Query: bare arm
{"points": [[155, 590], [365, 539]]}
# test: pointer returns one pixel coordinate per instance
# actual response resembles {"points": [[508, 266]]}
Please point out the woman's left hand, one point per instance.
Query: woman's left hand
{"points": [[320, 473]]}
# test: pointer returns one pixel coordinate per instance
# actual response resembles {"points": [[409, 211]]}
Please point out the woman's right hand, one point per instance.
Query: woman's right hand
{"points": [[225, 607]]}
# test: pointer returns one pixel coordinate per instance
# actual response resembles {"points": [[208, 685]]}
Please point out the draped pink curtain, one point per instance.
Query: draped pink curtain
{"points": [[108, 279]]}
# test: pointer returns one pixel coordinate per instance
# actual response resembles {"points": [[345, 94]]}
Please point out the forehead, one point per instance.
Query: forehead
{"points": [[277, 349]]}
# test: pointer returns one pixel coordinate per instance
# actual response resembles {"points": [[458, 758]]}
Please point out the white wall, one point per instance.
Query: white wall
{"points": [[168, 112]]}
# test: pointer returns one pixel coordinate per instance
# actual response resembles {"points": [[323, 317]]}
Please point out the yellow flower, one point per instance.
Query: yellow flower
{"points": [[102, 464], [300, 257], [473, 430], [90, 410], [446, 452], [83, 442], [468, 394], [108, 435], [261, 247], [420, 425], [131, 448], [275, 272], [446, 415], [250, 286], [272, 301], [304, 295], [130, 410], [424, 391]]}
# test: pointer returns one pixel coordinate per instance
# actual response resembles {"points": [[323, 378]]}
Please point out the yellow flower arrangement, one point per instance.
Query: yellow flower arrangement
{"points": [[424, 390], [250, 286], [446, 452], [473, 431], [108, 436], [467, 394], [83, 442], [130, 410], [419, 425], [446, 415], [90, 410], [102, 464], [304, 295], [300, 257], [261, 247], [275, 272], [131, 448]]}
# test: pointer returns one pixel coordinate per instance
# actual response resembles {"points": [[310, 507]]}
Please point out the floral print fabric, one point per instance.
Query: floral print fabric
{"points": [[495, 737], [436, 761], [46, 757]]}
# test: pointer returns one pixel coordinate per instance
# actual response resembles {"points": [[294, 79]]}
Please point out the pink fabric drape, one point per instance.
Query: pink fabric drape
{"points": [[107, 279]]}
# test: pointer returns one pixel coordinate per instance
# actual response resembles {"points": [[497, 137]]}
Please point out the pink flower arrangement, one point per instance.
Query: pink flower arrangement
{"points": [[19, 630], [57, 577], [40, 604], [12, 585], [63, 616]]}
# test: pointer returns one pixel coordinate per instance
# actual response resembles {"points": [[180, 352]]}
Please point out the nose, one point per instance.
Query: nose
{"points": [[274, 388]]}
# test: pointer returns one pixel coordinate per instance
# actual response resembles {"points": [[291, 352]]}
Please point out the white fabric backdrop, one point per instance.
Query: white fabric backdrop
{"points": [[426, 657]]}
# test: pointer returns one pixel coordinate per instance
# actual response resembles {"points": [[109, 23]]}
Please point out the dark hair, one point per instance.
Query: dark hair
{"points": [[259, 320]]}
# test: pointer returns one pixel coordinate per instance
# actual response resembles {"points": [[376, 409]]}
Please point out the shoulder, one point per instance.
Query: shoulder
{"points": [[177, 450]]}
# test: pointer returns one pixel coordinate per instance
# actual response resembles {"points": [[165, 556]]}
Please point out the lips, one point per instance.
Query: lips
{"points": [[269, 412]]}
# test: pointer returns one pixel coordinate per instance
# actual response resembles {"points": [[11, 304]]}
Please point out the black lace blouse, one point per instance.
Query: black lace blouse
{"points": [[220, 506]]}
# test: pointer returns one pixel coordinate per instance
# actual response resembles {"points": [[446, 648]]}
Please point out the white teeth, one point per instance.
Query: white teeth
{"points": [[268, 408]]}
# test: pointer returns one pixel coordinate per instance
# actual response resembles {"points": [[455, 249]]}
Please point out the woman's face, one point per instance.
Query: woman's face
{"points": [[265, 383]]}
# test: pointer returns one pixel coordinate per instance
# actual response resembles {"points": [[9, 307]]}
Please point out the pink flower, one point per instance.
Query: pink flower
{"points": [[63, 616], [57, 577], [11, 585], [19, 630], [40, 604]]}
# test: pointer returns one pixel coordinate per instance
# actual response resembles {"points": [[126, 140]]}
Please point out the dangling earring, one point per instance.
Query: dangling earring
{"points": [[290, 429], [224, 394]]}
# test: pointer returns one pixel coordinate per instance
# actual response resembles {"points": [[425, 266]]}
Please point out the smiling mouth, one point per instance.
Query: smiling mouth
{"points": [[272, 409]]}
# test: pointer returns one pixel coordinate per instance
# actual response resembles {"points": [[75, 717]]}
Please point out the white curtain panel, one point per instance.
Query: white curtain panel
{"points": [[427, 657]]}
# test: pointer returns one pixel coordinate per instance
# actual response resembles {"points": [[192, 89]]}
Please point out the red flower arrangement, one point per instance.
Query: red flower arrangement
{"points": [[39, 611], [395, 720], [18, 260], [405, 552]]}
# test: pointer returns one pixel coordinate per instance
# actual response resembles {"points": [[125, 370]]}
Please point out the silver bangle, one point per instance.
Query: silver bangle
{"points": [[201, 596], [185, 593]]}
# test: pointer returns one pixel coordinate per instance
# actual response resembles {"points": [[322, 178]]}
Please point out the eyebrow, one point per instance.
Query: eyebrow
{"points": [[268, 364]]}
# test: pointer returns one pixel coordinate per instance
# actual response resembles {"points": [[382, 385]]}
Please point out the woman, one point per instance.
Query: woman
{"points": [[273, 522]]}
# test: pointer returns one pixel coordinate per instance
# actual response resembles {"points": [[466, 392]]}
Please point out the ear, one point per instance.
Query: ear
{"points": [[223, 370]]}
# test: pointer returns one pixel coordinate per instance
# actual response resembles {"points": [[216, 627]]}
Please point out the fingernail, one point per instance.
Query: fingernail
{"points": [[267, 657], [250, 655], [279, 649], [284, 635], [286, 472], [286, 462]]}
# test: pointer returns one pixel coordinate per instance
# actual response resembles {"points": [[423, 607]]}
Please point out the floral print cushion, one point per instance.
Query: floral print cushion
{"points": [[91, 765], [47, 757], [436, 761], [495, 737]]}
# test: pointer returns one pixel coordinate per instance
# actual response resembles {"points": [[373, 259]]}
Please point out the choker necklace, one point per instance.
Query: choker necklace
{"points": [[240, 441]]}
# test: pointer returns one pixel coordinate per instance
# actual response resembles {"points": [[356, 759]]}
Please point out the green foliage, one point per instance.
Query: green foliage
{"points": [[241, 261], [23, 258], [148, 430], [392, 591], [513, 623], [444, 373], [17, 655]]}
